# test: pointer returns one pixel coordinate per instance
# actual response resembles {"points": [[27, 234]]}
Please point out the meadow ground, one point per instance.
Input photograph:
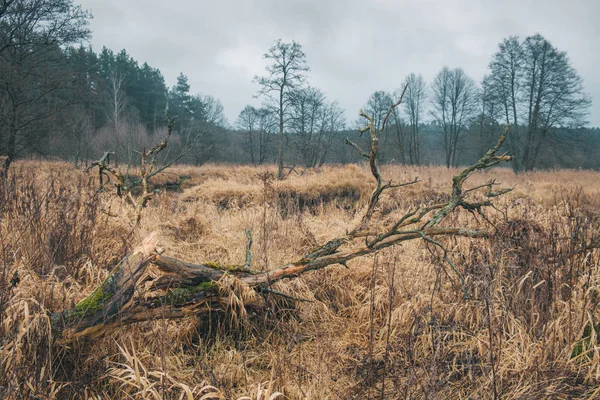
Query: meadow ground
{"points": [[395, 325]]}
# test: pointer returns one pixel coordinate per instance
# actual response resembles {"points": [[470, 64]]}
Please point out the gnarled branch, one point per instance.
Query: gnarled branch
{"points": [[190, 289], [148, 169]]}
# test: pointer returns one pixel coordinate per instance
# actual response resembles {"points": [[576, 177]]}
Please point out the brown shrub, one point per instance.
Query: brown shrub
{"points": [[532, 289]]}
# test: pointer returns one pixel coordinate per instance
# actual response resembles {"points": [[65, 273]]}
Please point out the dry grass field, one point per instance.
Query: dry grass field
{"points": [[395, 325]]}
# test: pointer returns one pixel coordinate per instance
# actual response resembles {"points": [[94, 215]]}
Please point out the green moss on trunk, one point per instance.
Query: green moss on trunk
{"points": [[226, 267], [96, 300]]}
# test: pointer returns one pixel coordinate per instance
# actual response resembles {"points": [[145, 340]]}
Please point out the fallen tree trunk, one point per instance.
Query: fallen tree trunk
{"points": [[109, 302], [191, 289]]}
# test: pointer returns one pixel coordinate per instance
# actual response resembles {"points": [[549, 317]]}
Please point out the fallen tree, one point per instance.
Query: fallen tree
{"points": [[187, 289]]}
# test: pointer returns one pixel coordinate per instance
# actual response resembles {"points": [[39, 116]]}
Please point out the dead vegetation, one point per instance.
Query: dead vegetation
{"points": [[188, 289], [398, 323], [534, 287]]}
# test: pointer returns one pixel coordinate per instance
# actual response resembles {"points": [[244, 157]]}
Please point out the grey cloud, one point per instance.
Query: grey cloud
{"points": [[353, 47]]}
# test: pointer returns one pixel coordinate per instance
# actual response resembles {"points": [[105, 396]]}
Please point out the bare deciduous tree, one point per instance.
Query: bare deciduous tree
{"points": [[314, 121], [4, 5], [213, 111], [31, 36], [79, 136], [334, 121], [413, 107], [454, 102], [398, 125], [191, 289], [116, 99], [539, 92], [490, 113], [267, 128], [248, 122], [377, 107], [503, 86], [258, 126], [122, 133], [284, 75], [122, 181]]}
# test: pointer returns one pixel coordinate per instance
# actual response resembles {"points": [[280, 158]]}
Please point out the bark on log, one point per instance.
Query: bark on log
{"points": [[193, 288], [110, 301]]}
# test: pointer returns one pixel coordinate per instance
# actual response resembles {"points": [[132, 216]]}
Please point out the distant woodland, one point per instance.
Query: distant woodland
{"points": [[61, 99]]}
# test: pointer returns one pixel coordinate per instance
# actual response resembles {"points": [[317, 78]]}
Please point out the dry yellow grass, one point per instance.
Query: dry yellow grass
{"points": [[533, 289]]}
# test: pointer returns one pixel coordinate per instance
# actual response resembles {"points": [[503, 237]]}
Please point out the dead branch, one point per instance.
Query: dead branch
{"points": [[190, 289], [248, 249], [357, 148], [104, 305], [148, 169], [375, 133], [457, 198]]}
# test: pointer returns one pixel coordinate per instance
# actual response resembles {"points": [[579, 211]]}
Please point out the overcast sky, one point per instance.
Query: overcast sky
{"points": [[353, 47]]}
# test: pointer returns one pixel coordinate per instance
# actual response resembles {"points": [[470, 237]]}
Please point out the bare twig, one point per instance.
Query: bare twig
{"points": [[248, 249], [357, 148], [192, 289], [148, 169]]}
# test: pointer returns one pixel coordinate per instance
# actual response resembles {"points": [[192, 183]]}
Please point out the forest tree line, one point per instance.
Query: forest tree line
{"points": [[60, 99]]}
